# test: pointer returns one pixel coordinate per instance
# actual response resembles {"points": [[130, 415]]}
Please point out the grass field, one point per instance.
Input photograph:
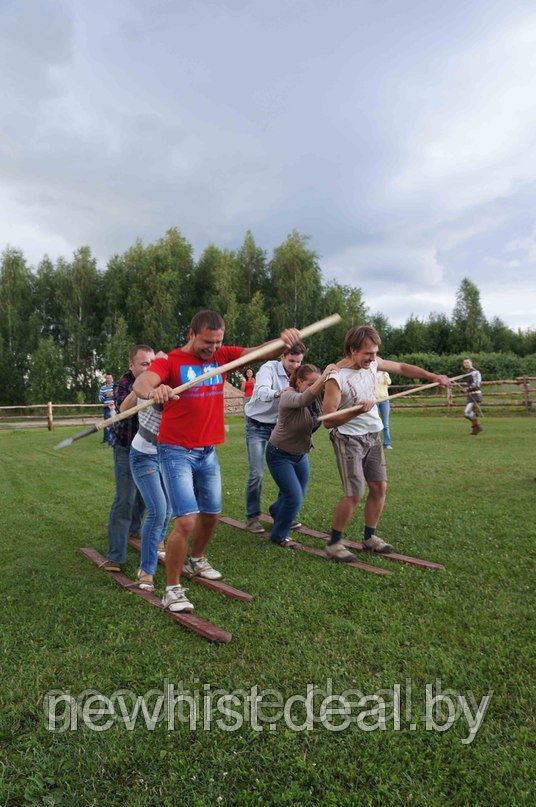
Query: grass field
{"points": [[468, 503]]}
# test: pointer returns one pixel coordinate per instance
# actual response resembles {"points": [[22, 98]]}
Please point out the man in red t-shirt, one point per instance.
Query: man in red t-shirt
{"points": [[192, 425]]}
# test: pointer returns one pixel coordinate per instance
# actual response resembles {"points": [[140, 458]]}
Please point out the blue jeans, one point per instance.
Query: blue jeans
{"points": [[192, 479], [257, 435], [127, 507], [108, 433], [145, 469], [383, 410], [291, 474]]}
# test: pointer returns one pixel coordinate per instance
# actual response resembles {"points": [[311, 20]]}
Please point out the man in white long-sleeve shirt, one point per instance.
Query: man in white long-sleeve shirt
{"points": [[261, 415]]}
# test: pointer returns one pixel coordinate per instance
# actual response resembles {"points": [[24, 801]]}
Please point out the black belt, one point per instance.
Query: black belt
{"points": [[258, 422]]}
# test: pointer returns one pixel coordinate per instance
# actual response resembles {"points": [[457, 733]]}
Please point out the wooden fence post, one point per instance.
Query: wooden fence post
{"points": [[449, 400], [50, 417], [526, 392]]}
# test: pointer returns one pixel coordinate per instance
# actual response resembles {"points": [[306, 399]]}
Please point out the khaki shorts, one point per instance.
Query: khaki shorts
{"points": [[359, 458]]}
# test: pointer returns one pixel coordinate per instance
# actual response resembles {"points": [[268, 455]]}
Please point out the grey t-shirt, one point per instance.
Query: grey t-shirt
{"points": [[294, 427]]}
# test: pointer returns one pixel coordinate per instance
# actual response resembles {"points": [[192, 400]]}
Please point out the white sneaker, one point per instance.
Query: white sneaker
{"points": [[201, 568], [339, 552], [175, 600]]}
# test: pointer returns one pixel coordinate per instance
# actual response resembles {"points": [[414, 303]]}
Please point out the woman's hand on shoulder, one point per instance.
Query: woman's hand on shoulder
{"points": [[330, 368]]}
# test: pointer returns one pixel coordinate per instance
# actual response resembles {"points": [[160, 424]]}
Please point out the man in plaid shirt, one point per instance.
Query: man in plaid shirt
{"points": [[127, 507]]}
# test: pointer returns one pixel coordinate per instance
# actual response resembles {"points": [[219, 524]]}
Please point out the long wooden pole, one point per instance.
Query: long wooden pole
{"points": [[349, 409], [253, 356]]}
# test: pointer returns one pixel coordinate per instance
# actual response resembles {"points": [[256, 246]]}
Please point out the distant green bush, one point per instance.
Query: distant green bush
{"points": [[493, 366]]}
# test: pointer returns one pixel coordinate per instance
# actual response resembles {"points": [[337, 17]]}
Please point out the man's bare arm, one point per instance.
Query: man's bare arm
{"points": [[149, 385], [128, 402], [411, 371], [289, 336]]}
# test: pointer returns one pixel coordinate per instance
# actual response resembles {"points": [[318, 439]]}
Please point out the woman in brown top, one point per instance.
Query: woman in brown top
{"points": [[290, 443]]}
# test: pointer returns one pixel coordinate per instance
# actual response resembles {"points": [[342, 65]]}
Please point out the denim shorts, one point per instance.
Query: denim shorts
{"points": [[192, 479]]}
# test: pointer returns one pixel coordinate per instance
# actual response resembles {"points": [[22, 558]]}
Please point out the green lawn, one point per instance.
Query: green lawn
{"points": [[466, 502]]}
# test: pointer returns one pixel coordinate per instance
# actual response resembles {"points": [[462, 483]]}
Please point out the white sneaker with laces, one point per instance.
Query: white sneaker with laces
{"points": [[175, 600], [201, 568]]}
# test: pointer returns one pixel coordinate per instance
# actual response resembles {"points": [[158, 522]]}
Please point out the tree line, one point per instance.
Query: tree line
{"points": [[64, 324]]}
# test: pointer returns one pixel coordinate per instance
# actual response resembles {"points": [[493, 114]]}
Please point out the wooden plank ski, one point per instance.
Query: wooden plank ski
{"points": [[216, 585], [193, 623], [232, 522], [424, 564]]}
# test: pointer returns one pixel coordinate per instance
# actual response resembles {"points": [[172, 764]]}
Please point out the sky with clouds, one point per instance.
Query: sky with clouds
{"points": [[399, 134]]}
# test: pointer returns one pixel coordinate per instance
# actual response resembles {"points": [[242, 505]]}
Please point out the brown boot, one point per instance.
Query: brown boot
{"points": [[476, 429]]}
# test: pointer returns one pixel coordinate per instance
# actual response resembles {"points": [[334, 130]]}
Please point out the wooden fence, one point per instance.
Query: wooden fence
{"points": [[447, 399], [42, 415], [455, 396]]}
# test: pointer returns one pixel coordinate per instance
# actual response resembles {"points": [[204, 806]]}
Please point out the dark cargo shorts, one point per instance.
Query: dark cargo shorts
{"points": [[359, 458]]}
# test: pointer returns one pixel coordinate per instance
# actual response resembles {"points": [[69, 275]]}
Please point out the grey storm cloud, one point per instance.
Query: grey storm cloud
{"points": [[396, 135]]}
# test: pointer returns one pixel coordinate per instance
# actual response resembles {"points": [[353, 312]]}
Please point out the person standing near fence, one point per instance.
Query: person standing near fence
{"points": [[247, 385], [106, 397], [474, 396], [383, 382]]}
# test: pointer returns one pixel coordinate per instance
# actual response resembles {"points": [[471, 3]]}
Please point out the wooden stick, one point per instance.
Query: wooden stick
{"points": [[349, 409], [253, 356]]}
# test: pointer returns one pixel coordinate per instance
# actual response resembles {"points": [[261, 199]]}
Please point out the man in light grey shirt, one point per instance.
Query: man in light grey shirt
{"points": [[261, 415], [474, 396]]}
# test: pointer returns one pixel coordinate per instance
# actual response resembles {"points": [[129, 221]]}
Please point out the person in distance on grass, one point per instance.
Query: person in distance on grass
{"points": [[261, 416], [383, 382], [106, 397], [474, 395], [290, 443], [355, 436], [247, 385], [127, 508], [192, 425]]}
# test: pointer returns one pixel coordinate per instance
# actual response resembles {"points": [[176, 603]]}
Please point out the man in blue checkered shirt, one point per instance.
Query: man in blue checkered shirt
{"points": [[106, 397]]}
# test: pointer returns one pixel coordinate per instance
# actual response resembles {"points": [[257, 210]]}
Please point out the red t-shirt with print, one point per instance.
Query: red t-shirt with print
{"points": [[196, 419]]}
